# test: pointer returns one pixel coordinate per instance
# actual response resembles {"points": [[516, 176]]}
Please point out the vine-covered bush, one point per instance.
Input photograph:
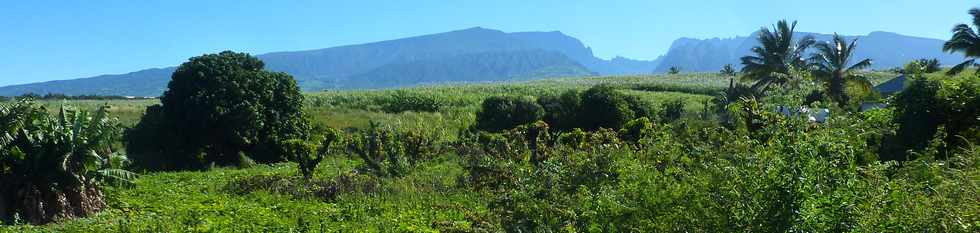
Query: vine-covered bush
{"points": [[387, 152]]}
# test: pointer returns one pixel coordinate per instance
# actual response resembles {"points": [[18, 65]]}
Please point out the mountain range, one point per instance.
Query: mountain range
{"points": [[481, 55], [885, 49]]}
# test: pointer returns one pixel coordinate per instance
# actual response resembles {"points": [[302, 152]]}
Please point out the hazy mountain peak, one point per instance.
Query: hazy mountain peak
{"points": [[885, 49]]}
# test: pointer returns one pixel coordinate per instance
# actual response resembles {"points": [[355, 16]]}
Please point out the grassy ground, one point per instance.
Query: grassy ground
{"points": [[426, 200]]}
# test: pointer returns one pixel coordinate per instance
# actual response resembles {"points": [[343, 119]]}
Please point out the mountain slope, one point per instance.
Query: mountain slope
{"points": [[476, 67], [149, 82], [475, 54], [885, 49]]}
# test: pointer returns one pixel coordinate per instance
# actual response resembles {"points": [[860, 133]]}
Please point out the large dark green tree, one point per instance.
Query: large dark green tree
{"points": [[965, 40], [833, 65], [775, 57], [220, 108], [506, 112], [604, 106]]}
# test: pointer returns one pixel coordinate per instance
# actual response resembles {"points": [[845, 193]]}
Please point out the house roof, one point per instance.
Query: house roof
{"points": [[891, 86]]}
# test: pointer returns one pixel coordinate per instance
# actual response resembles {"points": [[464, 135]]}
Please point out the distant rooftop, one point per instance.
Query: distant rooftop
{"points": [[891, 86]]}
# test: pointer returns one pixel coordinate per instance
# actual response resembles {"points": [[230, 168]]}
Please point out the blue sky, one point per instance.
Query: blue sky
{"points": [[50, 40]]}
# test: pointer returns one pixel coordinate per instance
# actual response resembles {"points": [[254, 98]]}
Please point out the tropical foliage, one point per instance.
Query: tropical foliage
{"points": [[728, 70], [775, 57], [52, 167], [965, 40], [669, 153], [834, 66]]}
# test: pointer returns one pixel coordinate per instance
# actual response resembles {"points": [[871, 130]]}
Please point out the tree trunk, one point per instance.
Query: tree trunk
{"points": [[836, 90], [4, 212], [43, 205]]}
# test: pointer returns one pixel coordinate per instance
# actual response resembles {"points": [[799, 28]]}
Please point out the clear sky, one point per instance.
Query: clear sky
{"points": [[44, 40]]}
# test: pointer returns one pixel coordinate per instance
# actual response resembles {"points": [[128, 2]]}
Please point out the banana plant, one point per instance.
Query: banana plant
{"points": [[69, 152]]}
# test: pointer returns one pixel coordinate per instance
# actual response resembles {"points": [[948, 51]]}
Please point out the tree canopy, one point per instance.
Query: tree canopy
{"points": [[220, 108]]}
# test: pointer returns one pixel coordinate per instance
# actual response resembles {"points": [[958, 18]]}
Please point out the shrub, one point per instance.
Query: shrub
{"points": [[378, 147], [929, 104], [606, 108], [219, 107], [505, 112], [419, 146], [562, 112], [305, 154], [634, 130]]}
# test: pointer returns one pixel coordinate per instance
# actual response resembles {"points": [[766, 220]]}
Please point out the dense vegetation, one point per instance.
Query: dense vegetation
{"points": [[684, 152]]}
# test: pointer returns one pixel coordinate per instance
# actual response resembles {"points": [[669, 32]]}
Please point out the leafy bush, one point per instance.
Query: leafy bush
{"points": [[305, 154], [378, 147], [562, 112], [928, 105], [221, 109], [51, 166], [499, 113], [609, 108], [637, 129]]}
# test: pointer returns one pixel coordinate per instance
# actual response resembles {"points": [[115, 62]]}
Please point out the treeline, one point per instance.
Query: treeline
{"points": [[59, 96]]}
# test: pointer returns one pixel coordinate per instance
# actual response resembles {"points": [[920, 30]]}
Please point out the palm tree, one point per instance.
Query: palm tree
{"points": [[775, 56], [728, 70], [831, 63], [965, 40]]}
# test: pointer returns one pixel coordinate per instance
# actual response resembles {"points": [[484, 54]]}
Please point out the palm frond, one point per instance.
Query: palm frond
{"points": [[115, 177], [960, 67], [975, 12], [860, 81]]}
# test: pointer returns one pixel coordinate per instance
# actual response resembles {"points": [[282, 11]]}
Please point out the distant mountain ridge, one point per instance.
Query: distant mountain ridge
{"points": [[480, 55], [469, 55], [885, 49]]}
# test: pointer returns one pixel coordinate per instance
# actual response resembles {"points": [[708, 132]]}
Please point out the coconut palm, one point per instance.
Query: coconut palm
{"points": [[776, 55], [966, 40], [728, 70], [832, 65]]}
